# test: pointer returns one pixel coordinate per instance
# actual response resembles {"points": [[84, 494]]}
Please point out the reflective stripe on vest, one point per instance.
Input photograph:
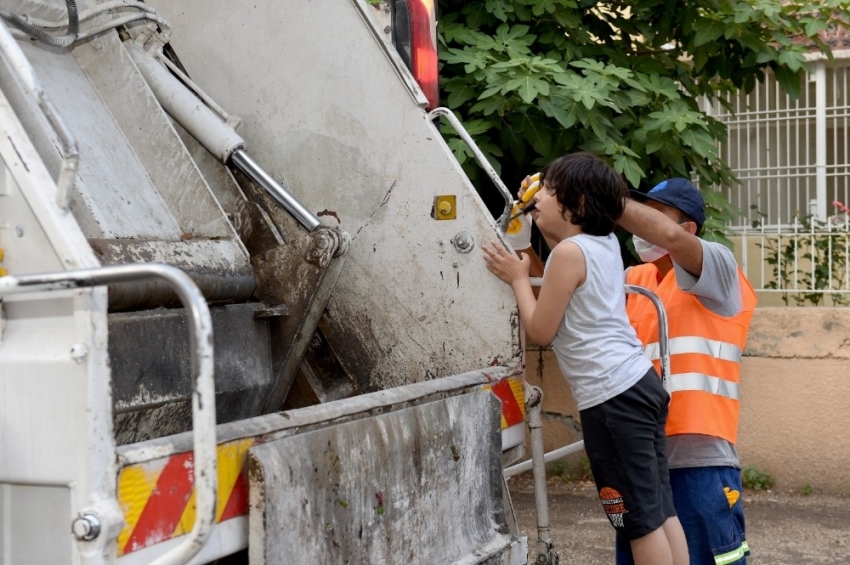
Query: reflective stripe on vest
{"points": [[699, 345], [705, 383], [705, 350]]}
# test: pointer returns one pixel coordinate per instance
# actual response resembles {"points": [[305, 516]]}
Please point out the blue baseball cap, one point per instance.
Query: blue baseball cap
{"points": [[677, 193]]}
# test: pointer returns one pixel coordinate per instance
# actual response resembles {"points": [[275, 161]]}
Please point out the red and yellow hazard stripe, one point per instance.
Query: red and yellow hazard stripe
{"points": [[511, 392], [158, 497]]}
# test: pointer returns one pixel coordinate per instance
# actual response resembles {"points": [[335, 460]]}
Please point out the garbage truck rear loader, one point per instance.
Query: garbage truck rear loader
{"points": [[244, 311]]}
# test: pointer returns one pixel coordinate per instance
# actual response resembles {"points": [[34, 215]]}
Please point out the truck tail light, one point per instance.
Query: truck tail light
{"points": [[415, 38]]}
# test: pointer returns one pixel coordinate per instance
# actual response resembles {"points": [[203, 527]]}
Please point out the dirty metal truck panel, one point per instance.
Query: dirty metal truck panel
{"points": [[326, 104], [150, 351], [138, 196], [429, 450], [421, 485]]}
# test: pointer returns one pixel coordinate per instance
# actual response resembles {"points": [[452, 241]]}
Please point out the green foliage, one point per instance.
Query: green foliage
{"points": [[754, 479], [806, 490], [814, 260], [536, 79], [571, 472]]}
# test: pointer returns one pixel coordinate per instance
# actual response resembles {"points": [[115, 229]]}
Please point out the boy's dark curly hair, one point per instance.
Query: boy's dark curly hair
{"points": [[589, 188]]}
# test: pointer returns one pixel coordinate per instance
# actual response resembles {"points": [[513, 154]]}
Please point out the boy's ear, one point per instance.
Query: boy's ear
{"points": [[691, 227]]}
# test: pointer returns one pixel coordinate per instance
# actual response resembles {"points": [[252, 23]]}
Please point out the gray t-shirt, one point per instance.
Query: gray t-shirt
{"points": [[596, 346], [719, 290]]}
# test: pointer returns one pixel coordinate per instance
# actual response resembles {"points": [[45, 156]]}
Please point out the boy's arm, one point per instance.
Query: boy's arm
{"points": [[653, 226], [567, 271], [540, 318]]}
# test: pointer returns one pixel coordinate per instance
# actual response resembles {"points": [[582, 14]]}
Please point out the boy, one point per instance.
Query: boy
{"points": [[581, 311]]}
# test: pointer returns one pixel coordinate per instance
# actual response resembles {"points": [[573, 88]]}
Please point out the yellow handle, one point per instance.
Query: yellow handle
{"points": [[530, 187], [516, 224]]}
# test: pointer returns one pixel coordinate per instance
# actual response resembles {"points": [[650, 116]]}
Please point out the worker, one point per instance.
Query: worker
{"points": [[709, 304]]}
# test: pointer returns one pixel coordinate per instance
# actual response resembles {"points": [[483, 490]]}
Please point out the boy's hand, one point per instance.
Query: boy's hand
{"points": [[504, 264]]}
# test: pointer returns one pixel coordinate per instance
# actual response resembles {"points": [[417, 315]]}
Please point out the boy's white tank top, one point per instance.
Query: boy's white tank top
{"points": [[596, 347]]}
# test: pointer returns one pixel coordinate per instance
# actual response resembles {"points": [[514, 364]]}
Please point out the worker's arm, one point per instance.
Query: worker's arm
{"points": [[653, 226], [540, 317]]}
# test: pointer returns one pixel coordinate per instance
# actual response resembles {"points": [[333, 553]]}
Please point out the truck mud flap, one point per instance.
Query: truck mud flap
{"points": [[417, 485]]}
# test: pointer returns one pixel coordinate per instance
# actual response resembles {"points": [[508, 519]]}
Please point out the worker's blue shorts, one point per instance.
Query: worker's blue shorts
{"points": [[715, 530]]}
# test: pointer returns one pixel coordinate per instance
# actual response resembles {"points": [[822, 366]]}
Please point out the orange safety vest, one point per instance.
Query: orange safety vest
{"points": [[705, 352]]}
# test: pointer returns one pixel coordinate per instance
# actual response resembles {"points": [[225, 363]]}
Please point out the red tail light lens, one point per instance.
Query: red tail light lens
{"points": [[423, 47]]}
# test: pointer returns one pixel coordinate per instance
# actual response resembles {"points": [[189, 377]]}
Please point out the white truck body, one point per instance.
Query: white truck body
{"points": [[384, 315]]}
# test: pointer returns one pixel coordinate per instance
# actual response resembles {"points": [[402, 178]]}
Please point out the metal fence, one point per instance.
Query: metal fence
{"points": [[792, 157]]}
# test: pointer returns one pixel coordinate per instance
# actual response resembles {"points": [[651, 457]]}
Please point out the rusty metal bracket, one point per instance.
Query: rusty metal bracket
{"points": [[300, 274]]}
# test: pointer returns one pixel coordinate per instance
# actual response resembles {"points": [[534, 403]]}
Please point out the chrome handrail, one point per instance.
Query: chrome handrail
{"points": [[663, 339], [203, 398], [482, 160]]}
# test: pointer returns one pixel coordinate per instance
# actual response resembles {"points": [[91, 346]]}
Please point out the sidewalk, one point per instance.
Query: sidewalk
{"points": [[783, 528]]}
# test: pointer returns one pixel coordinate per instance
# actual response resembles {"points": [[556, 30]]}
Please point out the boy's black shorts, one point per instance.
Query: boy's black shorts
{"points": [[624, 441]]}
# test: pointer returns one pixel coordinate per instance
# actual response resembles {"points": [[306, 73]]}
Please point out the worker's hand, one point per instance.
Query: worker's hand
{"points": [[504, 264], [528, 188], [518, 234]]}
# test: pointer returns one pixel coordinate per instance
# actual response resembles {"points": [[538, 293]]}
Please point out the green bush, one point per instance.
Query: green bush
{"points": [[571, 472], [557, 468], [754, 479]]}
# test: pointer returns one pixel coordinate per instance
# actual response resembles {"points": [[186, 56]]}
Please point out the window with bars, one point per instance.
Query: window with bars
{"points": [[792, 157]]}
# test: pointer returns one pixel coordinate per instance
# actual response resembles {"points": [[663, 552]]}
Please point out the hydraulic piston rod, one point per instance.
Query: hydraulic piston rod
{"points": [[218, 137], [242, 161]]}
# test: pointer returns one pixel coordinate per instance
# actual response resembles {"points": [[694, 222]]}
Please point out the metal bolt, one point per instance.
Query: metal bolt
{"points": [[323, 241], [79, 352], [463, 242], [86, 527], [19, 231]]}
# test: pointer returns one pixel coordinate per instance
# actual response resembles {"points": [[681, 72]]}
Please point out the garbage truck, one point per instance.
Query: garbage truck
{"points": [[245, 317]]}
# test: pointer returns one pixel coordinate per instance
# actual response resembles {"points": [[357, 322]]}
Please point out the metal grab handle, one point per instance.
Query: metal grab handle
{"points": [[70, 154], [482, 160], [203, 399], [663, 340]]}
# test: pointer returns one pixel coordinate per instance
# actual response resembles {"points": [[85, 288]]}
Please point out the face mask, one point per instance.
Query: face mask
{"points": [[646, 251]]}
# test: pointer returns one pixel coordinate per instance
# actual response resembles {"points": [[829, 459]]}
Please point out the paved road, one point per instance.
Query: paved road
{"points": [[783, 529]]}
